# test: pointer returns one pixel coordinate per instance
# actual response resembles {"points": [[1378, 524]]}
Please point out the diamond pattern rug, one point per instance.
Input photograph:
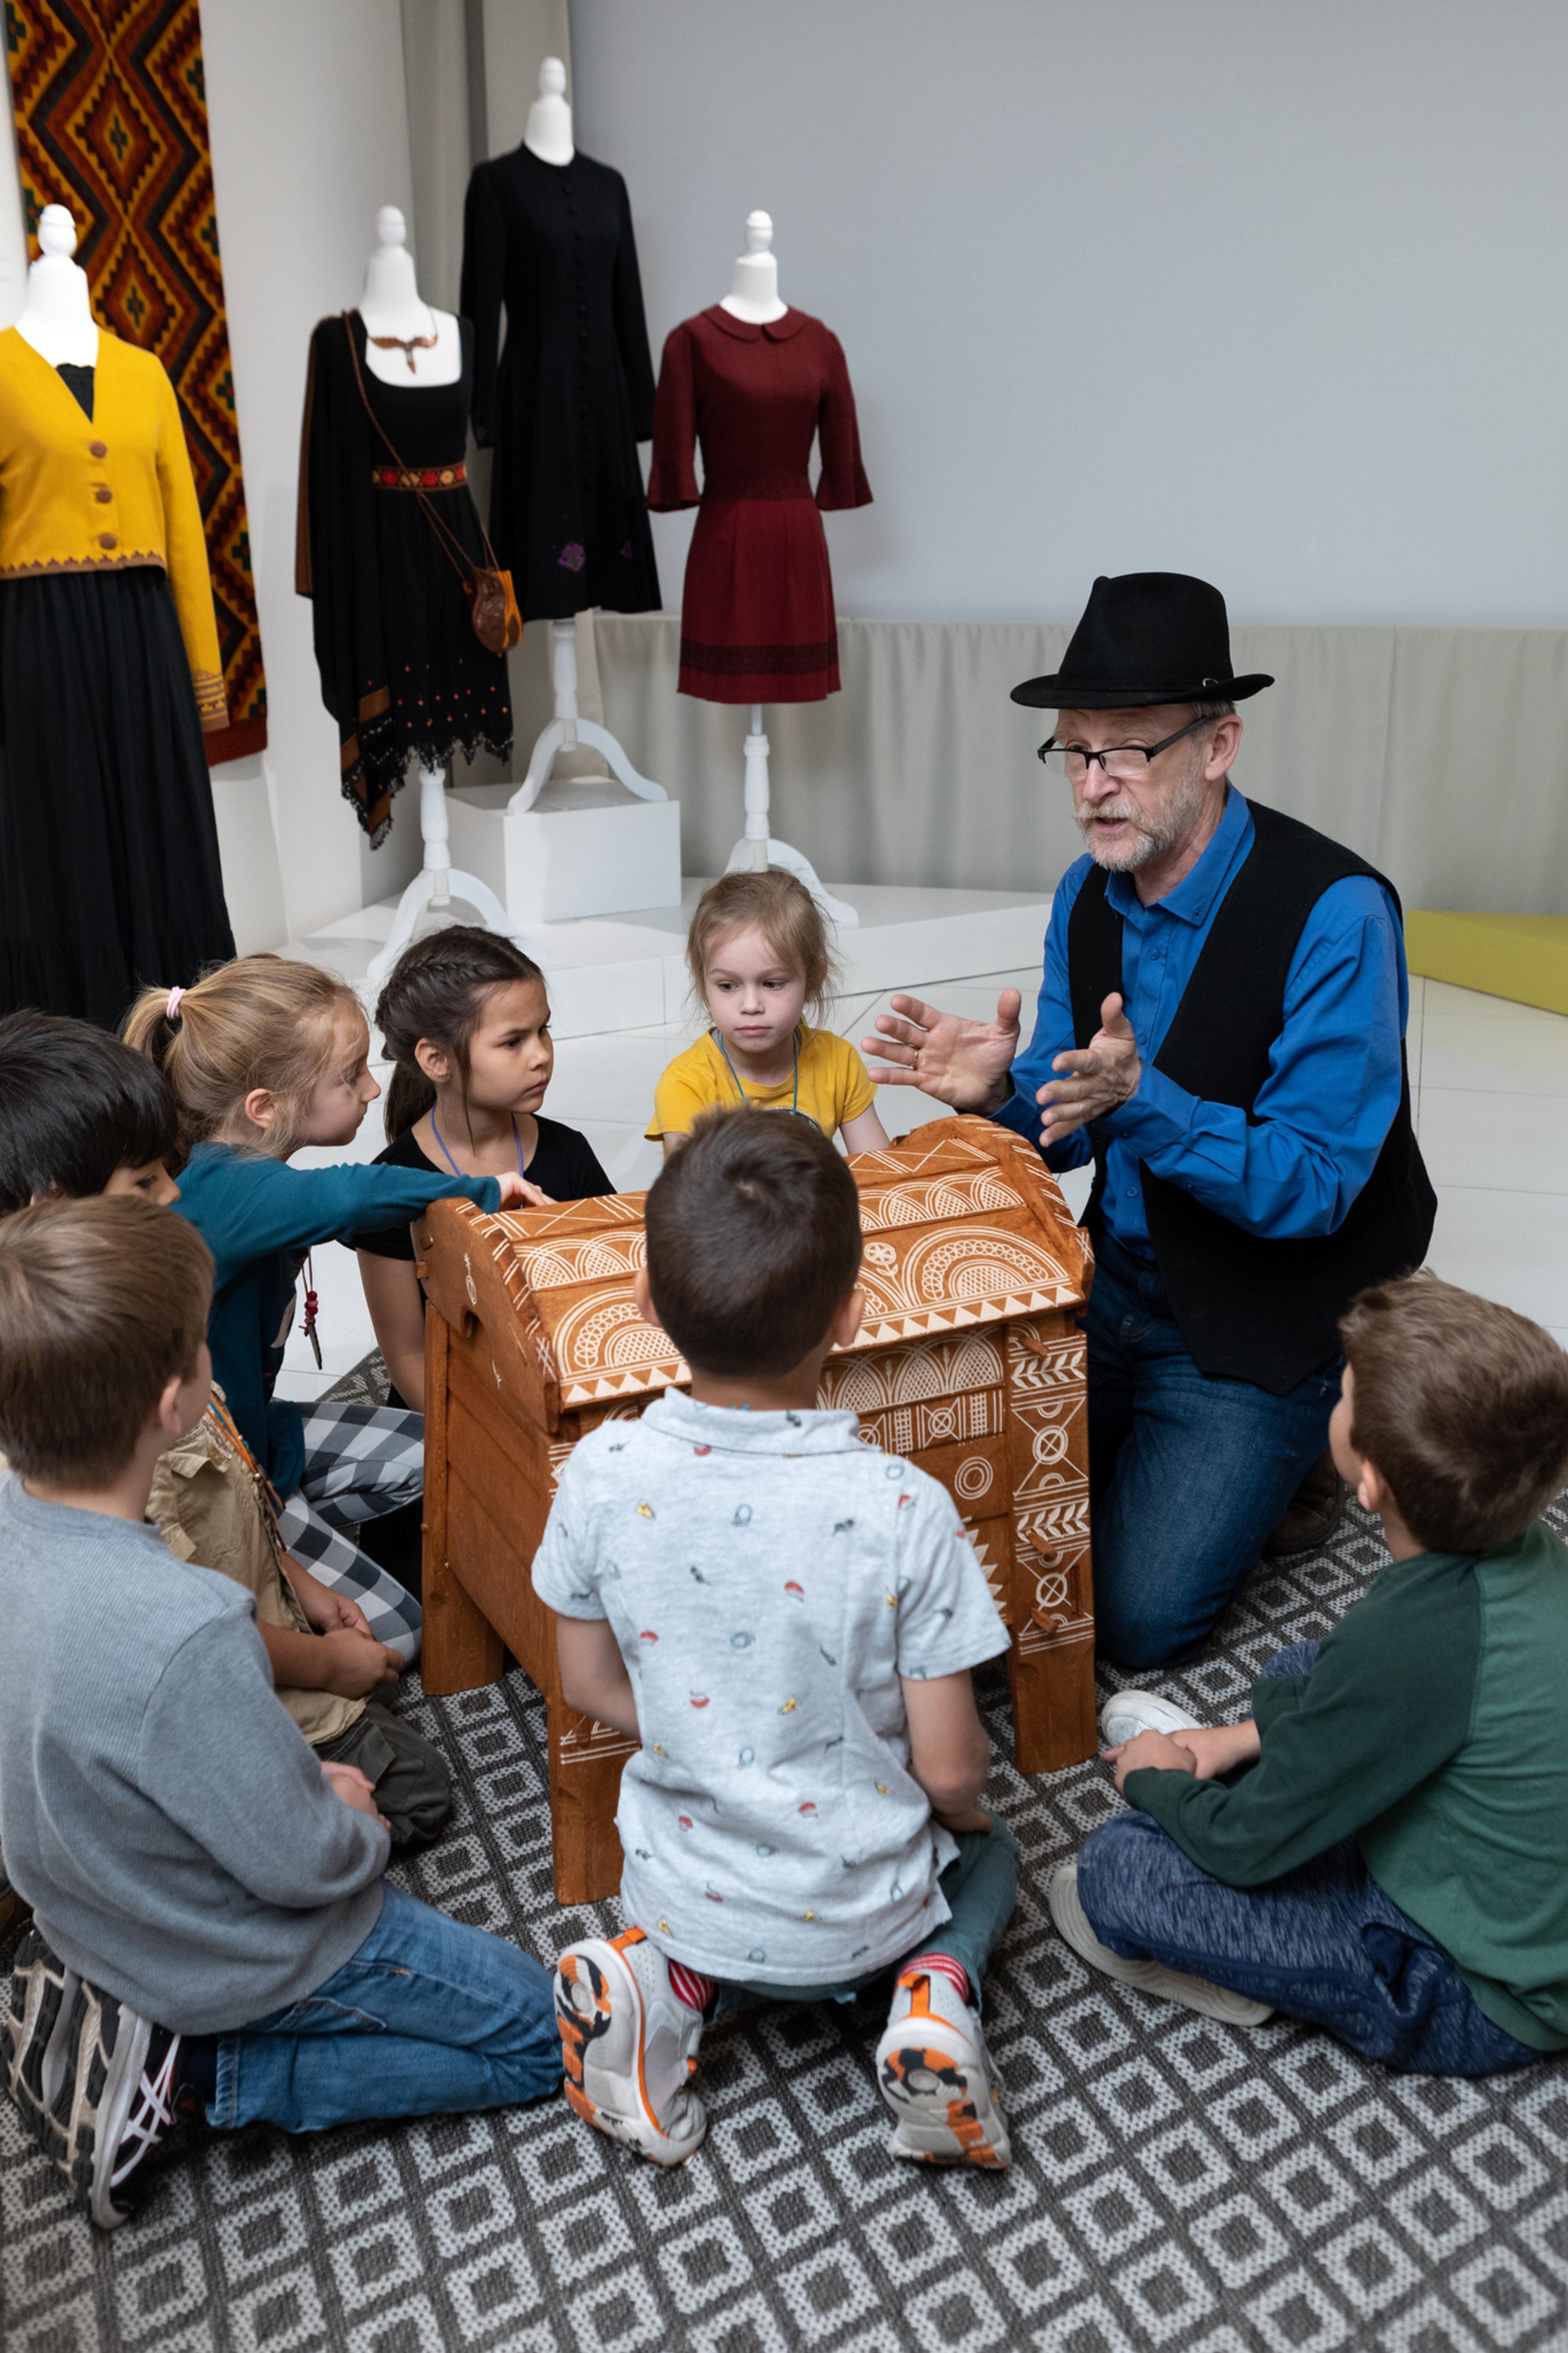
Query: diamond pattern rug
{"points": [[1176, 2182]]}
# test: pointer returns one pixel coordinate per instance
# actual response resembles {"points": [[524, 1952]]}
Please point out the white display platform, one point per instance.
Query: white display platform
{"points": [[585, 849], [630, 970]]}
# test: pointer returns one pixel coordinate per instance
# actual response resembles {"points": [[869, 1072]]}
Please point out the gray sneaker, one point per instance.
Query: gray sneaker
{"points": [[1072, 1926], [95, 2083], [1126, 1713]]}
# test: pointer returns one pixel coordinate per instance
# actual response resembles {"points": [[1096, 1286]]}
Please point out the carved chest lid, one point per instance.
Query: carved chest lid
{"points": [[964, 1227]]}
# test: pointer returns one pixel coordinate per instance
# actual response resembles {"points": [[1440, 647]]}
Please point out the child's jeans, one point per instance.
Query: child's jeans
{"points": [[1324, 1943], [361, 1461], [980, 1885], [428, 2018]]}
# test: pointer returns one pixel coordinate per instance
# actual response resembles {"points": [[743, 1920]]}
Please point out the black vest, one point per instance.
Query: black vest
{"points": [[1252, 1310]]}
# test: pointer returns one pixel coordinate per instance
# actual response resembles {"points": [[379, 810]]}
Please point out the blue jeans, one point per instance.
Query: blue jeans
{"points": [[980, 1883], [1187, 1474], [1324, 1943], [428, 2018]]}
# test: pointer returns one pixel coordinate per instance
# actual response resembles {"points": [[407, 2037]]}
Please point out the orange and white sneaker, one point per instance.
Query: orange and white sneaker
{"points": [[629, 2046], [935, 2073]]}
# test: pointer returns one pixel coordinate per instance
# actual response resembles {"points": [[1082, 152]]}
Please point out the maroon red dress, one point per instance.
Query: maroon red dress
{"points": [[757, 622]]}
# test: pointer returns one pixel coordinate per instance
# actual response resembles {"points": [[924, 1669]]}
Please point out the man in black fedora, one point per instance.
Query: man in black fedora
{"points": [[1220, 1030]]}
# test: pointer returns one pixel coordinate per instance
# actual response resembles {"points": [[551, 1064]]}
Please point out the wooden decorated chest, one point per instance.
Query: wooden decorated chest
{"points": [[968, 1362]]}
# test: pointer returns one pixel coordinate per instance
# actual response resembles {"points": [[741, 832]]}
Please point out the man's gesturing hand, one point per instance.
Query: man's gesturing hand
{"points": [[961, 1063], [1105, 1074]]}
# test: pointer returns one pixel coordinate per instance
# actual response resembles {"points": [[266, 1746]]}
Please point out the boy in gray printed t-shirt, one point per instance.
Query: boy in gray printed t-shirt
{"points": [[788, 1620]]}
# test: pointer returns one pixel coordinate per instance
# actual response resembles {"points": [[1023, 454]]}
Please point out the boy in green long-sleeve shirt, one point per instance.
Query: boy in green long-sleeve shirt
{"points": [[1383, 1846]]}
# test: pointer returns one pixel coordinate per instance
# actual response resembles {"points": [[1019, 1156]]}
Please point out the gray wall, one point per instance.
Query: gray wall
{"points": [[1271, 290]]}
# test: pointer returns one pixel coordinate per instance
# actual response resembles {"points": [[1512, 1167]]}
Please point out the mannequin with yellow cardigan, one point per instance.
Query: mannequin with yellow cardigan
{"points": [[110, 665]]}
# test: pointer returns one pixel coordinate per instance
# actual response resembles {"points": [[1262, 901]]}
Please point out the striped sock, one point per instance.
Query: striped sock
{"points": [[937, 1964], [690, 1986]]}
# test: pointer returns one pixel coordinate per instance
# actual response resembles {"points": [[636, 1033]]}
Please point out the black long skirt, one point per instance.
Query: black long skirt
{"points": [[110, 879]]}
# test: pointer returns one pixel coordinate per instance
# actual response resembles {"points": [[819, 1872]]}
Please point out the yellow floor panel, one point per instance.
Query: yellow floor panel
{"points": [[1524, 957]]}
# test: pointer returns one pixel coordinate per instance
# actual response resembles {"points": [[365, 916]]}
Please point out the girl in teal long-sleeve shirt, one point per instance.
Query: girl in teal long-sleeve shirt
{"points": [[265, 1057]]}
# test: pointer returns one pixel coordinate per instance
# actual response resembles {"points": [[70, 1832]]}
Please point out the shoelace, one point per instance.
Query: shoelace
{"points": [[151, 2118]]}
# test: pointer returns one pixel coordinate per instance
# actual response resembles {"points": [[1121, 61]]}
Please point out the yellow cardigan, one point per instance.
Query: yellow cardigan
{"points": [[89, 494]]}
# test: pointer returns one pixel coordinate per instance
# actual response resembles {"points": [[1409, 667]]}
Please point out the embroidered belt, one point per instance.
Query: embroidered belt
{"points": [[420, 477]]}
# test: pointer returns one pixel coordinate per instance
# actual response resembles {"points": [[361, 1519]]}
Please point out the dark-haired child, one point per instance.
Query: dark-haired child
{"points": [[1382, 1847], [206, 1937], [788, 1620], [80, 1114], [466, 1021]]}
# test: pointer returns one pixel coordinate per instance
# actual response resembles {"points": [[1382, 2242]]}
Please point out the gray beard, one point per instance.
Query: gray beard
{"points": [[1152, 840]]}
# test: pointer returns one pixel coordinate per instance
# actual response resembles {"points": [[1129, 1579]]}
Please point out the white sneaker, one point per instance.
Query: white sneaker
{"points": [[629, 2046], [1149, 1976], [935, 2073], [1128, 1713]]}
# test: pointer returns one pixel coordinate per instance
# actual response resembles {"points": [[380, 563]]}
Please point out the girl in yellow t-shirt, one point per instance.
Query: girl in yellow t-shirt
{"points": [[758, 955]]}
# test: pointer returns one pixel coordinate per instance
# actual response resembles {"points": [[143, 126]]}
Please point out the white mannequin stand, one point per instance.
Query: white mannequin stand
{"points": [[568, 727], [549, 136], [56, 318], [391, 306], [755, 296]]}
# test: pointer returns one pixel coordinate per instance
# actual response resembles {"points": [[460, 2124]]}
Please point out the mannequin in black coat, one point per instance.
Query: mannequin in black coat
{"points": [[573, 394]]}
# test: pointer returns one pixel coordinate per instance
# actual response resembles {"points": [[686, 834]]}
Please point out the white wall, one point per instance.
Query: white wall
{"points": [[1271, 290]]}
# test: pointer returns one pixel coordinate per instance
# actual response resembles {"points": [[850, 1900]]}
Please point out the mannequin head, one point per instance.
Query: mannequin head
{"points": [[390, 286], [57, 234], [755, 285], [549, 131], [56, 318]]}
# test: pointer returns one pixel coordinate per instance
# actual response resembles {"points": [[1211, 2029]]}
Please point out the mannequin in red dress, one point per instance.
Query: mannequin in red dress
{"points": [[756, 383]]}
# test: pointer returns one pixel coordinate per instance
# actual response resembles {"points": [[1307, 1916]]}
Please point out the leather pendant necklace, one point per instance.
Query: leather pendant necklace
{"points": [[407, 346]]}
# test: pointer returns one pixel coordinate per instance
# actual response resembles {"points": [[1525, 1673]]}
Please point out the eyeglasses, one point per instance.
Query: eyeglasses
{"points": [[1123, 762]]}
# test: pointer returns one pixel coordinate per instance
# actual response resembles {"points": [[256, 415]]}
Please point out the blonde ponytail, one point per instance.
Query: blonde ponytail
{"points": [[259, 1022]]}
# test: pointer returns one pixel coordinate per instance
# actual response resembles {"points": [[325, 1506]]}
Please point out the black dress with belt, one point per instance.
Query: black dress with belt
{"points": [[110, 879], [402, 671], [572, 393]]}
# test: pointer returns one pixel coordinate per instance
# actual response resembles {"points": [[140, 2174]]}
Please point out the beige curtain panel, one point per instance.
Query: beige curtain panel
{"points": [[1440, 755]]}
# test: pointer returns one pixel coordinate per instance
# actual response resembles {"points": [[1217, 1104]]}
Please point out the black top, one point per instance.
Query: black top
{"points": [[563, 1166], [79, 382], [402, 671], [573, 394], [1250, 1308]]}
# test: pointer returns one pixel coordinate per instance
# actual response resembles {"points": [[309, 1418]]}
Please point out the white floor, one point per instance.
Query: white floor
{"points": [[1490, 1080]]}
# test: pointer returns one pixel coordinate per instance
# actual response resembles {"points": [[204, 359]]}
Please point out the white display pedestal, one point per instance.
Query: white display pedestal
{"points": [[628, 972], [569, 728], [582, 848]]}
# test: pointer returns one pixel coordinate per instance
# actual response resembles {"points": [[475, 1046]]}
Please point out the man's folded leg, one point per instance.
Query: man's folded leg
{"points": [[429, 2016]]}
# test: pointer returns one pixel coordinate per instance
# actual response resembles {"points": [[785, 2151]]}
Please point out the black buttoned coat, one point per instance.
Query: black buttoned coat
{"points": [[572, 392]]}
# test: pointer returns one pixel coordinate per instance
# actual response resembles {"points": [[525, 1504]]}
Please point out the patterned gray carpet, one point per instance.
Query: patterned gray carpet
{"points": [[1176, 2183]]}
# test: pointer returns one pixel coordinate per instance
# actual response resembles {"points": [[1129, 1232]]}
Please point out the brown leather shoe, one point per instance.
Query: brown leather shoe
{"points": [[1313, 1512]]}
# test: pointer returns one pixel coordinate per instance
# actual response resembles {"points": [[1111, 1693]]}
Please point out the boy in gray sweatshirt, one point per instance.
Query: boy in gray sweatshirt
{"points": [[205, 1939]]}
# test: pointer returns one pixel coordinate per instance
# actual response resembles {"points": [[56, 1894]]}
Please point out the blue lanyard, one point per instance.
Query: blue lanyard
{"points": [[452, 1164], [740, 1089], [795, 1111]]}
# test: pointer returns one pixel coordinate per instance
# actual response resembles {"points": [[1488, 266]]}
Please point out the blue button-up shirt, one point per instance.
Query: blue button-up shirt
{"points": [[1334, 1072]]}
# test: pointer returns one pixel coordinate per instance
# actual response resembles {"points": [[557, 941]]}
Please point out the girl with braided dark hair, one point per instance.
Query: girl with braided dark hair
{"points": [[466, 1020]]}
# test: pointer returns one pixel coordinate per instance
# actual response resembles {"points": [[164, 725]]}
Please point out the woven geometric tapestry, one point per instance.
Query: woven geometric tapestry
{"points": [[111, 121]]}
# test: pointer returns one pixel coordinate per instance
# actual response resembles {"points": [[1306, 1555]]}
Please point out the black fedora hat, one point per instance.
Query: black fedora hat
{"points": [[1145, 637]]}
